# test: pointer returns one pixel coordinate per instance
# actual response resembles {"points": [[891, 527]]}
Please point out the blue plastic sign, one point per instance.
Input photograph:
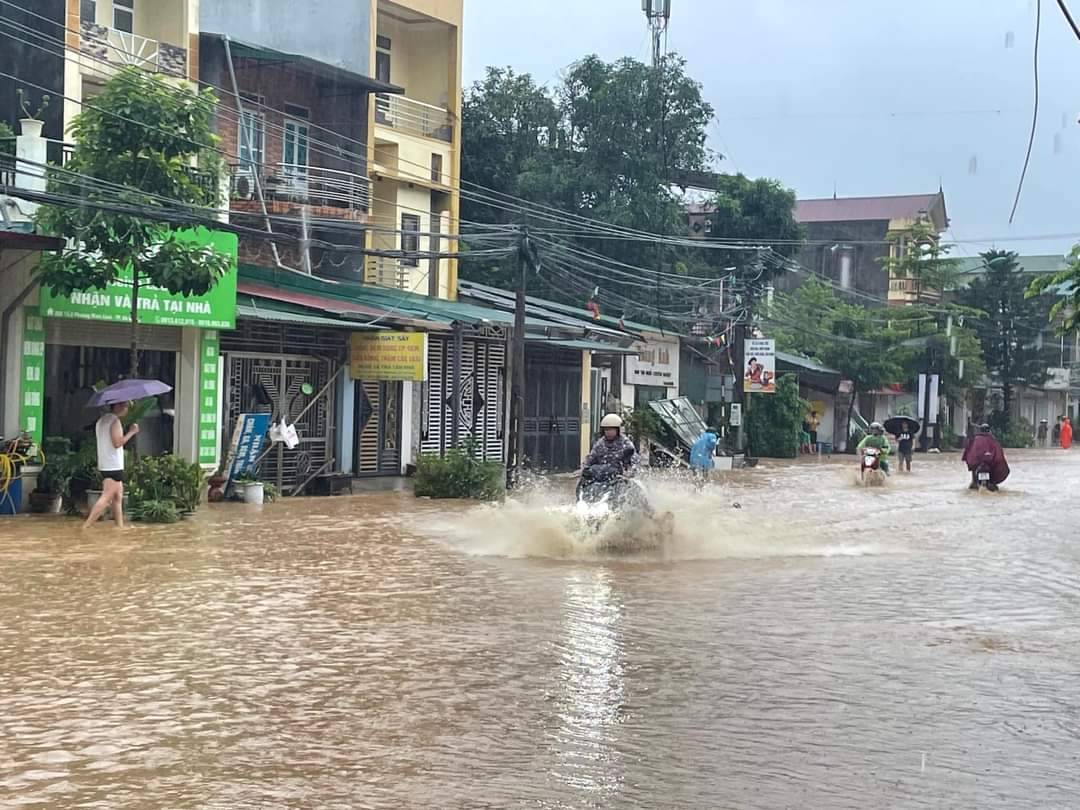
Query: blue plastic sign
{"points": [[247, 442]]}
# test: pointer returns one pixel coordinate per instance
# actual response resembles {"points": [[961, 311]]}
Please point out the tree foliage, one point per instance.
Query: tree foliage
{"points": [[773, 420], [1065, 287], [751, 209], [1009, 327], [140, 136]]}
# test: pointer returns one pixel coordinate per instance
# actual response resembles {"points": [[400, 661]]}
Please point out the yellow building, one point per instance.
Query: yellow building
{"points": [[159, 36], [414, 152]]}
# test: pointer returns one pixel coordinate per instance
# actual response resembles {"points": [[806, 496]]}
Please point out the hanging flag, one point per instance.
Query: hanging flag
{"points": [[622, 321]]}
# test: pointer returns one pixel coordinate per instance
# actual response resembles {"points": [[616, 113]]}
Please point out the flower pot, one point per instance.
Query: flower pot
{"points": [[47, 503], [252, 493], [31, 127]]}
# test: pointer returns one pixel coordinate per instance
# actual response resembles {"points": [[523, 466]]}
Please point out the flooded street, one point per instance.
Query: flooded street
{"points": [[823, 646]]}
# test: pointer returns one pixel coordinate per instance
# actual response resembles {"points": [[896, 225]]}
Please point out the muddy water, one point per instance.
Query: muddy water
{"points": [[822, 646]]}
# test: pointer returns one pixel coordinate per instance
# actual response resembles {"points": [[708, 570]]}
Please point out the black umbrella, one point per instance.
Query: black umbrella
{"points": [[895, 425]]}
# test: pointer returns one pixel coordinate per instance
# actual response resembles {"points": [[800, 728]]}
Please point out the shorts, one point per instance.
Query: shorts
{"points": [[115, 475], [813, 437], [905, 452]]}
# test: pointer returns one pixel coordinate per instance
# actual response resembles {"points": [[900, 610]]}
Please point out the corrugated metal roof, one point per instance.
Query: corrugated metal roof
{"points": [[263, 309], [851, 209], [1039, 264], [805, 362]]}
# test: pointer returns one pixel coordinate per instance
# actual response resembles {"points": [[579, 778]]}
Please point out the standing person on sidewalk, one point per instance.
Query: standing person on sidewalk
{"points": [[1040, 433], [1066, 434], [1057, 432], [111, 439]]}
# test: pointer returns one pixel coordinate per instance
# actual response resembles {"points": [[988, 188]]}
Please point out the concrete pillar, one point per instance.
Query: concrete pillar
{"points": [[586, 402], [186, 395], [408, 427], [30, 159], [346, 408]]}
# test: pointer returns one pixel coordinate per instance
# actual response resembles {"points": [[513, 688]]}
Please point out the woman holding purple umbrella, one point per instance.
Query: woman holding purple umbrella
{"points": [[111, 438]]}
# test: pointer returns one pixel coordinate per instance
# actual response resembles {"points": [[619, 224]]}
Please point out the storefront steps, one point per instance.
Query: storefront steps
{"points": [[388, 483]]}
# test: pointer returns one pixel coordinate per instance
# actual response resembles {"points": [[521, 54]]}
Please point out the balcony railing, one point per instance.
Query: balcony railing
{"points": [[309, 185], [414, 117], [385, 272], [121, 48]]}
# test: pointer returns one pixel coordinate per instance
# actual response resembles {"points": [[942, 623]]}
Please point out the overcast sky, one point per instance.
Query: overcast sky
{"points": [[872, 96]]}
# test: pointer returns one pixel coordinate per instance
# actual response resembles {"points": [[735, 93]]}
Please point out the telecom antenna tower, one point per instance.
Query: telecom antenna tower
{"points": [[658, 13]]}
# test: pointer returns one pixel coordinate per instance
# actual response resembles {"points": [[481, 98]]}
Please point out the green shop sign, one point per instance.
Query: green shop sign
{"points": [[215, 310]]}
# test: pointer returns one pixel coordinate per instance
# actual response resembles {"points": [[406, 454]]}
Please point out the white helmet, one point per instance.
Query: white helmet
{"points": [[611, 420], [876, 426]]}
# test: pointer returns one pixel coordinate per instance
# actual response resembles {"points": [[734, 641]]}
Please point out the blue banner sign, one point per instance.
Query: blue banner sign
{"points": [[247, 443]]}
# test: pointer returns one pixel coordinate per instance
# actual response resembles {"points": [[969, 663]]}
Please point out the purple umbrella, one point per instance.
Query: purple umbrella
{"points": [[127, 391]]}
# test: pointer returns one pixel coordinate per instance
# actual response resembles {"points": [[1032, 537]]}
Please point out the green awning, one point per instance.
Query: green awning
{"points": [[595, 346], [261, 309], [246, 50]]}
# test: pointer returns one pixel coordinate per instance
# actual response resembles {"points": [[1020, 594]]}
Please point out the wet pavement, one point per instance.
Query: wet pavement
{"points": [[823, 646]]}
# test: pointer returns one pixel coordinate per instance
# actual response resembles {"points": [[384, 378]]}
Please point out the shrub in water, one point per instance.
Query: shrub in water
{"points": [[459, 474], [156, 512]]}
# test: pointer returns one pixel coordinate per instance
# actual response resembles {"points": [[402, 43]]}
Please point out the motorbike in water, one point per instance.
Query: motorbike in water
{"points": [[981, 478], [617, 512], [870, 472]]}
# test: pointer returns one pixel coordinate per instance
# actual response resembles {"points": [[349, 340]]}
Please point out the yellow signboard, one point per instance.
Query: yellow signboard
{"points": [[388, 356]]}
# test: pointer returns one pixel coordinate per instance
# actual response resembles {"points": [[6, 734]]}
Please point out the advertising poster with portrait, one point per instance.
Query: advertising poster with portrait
{"points": [[759, 366]]}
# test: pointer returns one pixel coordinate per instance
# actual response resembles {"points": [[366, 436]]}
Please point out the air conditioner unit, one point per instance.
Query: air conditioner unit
{"points": [[243, 184]]}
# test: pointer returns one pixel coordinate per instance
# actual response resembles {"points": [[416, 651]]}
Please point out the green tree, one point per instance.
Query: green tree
{"points": [[749, 209], [1065, 287], [601, 144], [1009, 328], [773, 421], [140, 136], [858, 342]]}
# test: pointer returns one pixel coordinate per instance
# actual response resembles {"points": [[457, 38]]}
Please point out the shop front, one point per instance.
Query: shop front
{"points": [[74, 344]]}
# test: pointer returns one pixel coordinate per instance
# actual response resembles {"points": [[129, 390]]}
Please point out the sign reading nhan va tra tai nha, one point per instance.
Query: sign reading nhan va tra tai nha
{"points": [[215, 310], [388, 356]]}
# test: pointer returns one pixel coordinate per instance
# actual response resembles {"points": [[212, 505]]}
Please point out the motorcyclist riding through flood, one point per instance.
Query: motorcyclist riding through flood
{"points": [[876, 439], [985, 460], [613, 448]]}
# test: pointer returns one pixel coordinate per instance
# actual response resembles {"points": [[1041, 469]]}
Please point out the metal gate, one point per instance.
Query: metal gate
{"points": [[378, 428], [278, 385], [552, 424], [482, 390]]}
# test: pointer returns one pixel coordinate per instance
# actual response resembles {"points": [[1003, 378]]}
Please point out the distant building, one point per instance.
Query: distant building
{"points": [[847, 243]]}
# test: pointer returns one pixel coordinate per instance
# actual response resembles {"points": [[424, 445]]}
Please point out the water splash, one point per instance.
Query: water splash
{"points": [[713, 521]]}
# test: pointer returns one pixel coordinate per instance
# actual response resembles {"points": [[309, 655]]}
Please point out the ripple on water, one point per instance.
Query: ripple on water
{"points": [[822, 646]]}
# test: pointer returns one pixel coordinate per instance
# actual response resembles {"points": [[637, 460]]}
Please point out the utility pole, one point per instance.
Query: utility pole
{"points": [[658, 13], [517, 362]]}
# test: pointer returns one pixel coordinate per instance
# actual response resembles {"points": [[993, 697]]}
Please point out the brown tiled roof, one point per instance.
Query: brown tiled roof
{"points": [[849, 209]]}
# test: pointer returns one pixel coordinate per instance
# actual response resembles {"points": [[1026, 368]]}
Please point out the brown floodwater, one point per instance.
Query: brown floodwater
{"points": [[823, 646]]}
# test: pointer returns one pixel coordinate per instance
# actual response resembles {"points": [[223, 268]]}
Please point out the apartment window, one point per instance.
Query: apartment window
{"points": [[123, 14], [382, 59], [88, 11], [295, 148], [251, 138], [436, 167], [845, 269], [410, 239], [296, 111]]}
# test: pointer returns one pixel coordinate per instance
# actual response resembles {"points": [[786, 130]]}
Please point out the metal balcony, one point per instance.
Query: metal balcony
{"points": [[414, 117], [122, 49], [307, 185], [385, 272]]}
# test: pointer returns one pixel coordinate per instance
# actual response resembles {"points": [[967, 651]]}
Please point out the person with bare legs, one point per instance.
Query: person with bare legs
{"points": [[111, 438]]}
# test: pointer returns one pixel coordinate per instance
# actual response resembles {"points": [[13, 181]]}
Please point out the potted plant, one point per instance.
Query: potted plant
{"points": [[250, 488], [54, 478]]}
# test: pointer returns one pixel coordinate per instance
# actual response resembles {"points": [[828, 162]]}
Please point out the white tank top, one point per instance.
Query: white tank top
{"points": [[109, 457]]}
